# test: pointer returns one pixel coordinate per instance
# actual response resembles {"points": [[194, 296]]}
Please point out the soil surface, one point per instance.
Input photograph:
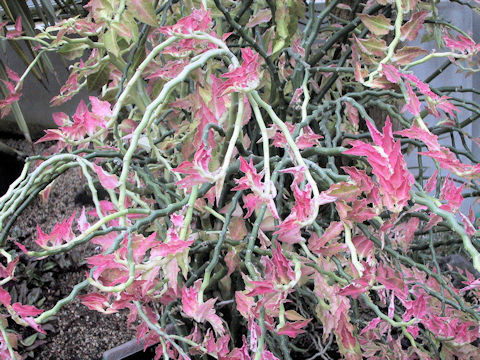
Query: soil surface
{"points": [[76, 332]]}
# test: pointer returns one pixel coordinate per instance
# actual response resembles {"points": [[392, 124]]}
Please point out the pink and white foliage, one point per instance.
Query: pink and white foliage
{"points": [[151, 261], [445, 157], [201, 311], [198, 171], [245, 77], [300, 215], [198, 21], [388, 165], [83, 122], [305, 140], [413, 105], [253, 181], [462, 44]]}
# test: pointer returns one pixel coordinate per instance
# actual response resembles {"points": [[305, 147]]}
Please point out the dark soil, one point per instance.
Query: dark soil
{"points": [[76, 332]]}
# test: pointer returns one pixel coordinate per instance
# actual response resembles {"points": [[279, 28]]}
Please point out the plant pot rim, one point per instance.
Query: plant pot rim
{"points": [[124, 350]]}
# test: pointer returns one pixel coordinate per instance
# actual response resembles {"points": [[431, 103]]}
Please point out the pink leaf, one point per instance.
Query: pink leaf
{"points": [[31, 321], [12, 75], [201, 311], [392, 280], [352, 114], [198, 20], [415, 308], [371, 325], [26, 310], [108, 181], [282, 266], [461, 43], [413, 105], [245, 77], [431, 183], [407, 54], [411, 29], [18, 29], [469, 228], [5, 297], [197, 171], [333, 231], [391, 73], [100, 108], [292, 329], [98, 302], [451, 194], [171, 247], [244, 303], [82, 222]]}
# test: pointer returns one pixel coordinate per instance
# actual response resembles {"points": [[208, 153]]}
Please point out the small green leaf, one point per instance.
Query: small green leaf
{"points": [[287, 14], [48, 266], [371, 46], [29, 340], [40, 302], [110, 42], [96, 80], [72, 50], [143, 10], [126, 28], [378, 24], [261, 17], [33, 296]]}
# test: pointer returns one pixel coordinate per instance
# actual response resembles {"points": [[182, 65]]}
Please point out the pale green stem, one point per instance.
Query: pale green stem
{"points": [[83, 165], [214, 213], [189, 214], [135, 198], [15, 183], [155, 105], [13, 202], [308, 252], [121, 9], [9, 259], [450, 219], [298, 275], [261, 338], [281, 317], [168, 337], [382, 316], [7, 342], [396, 40], [266, 148], [127, 90], [296, 153], [306, 95], [353, 250], [434, 55], [29, 68], [90, 230], [230, 149], [67, 300]]}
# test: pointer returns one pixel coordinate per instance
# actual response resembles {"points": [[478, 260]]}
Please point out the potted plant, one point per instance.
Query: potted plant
{"points": [[259, 201]]}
